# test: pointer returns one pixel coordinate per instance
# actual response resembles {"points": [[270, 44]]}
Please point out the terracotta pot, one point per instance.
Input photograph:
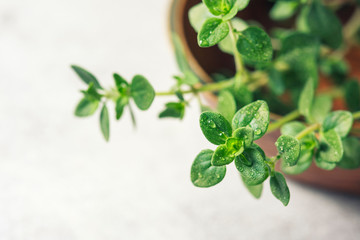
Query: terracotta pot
{"points": [[205, 61]]}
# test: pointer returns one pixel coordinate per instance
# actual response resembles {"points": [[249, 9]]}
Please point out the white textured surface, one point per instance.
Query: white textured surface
{"points": [[60, 180]]}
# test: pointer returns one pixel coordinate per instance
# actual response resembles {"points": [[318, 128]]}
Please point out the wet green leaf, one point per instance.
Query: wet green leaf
{"points": [[279, 188], [252, 167], [203, 174], [105, 123], [86, 76], [254, 45], [198, 14], [219, 7], [212, 32], [289, 149], [255, 115], [215, 127], [340, 121], [302, 165], [225, 153], [245, 134], [226, 45], [330, 149], [142, 92]]}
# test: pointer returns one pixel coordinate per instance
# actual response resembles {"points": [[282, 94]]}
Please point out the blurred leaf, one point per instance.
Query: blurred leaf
{"points": [[86, 76], [226, 105], [104, 122], [142, 92]]}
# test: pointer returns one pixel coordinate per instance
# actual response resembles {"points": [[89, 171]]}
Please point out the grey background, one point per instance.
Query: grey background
{"points": [[60, 180]]}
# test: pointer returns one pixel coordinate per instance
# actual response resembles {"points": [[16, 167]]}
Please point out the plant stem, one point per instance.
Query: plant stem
{"points": [[308, 130], [204, 88], [352, 25], [356, 115], [238, 61], [287, 118]]}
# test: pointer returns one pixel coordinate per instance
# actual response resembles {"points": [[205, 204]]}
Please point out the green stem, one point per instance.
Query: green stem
{"points": [[287, 118], [352, 25], [211, 87], [308, 130], [356, 115], [238, 61]]}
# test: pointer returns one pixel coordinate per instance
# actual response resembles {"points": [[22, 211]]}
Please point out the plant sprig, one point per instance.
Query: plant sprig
{"points": [[264, 74]]}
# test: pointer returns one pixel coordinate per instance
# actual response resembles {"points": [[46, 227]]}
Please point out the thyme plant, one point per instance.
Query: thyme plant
{"points": [[281, 69]]}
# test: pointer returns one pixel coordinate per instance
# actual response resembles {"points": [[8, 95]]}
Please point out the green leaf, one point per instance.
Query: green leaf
{"points": [[226, 45], [239, 5], [336, 68], [331, 149], [91, 93], [212, 32], [242, 95], [173, 110], [251, 164], [306, 99], [203, 174], [86, 107], [180, 53], [299, 51], [121, 102], [219, 7], [104, 122], [215, 127], [321, 22], [86, 76], [351, 157], [321, 163], [190, 78], [283, 10], [255, 190], [245, 134], [276, 82], [302, 165], [279, 188], [226, 105], [255, 115], [340, 121], [198, 14], [142, 92], [321, 107], [289, 149], [120, 83], [255, 45], [225, 153], [292, 128], [352, 95]]}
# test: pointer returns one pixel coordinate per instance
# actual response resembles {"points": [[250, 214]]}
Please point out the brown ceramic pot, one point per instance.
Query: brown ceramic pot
{"points": [[205, 61]]}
